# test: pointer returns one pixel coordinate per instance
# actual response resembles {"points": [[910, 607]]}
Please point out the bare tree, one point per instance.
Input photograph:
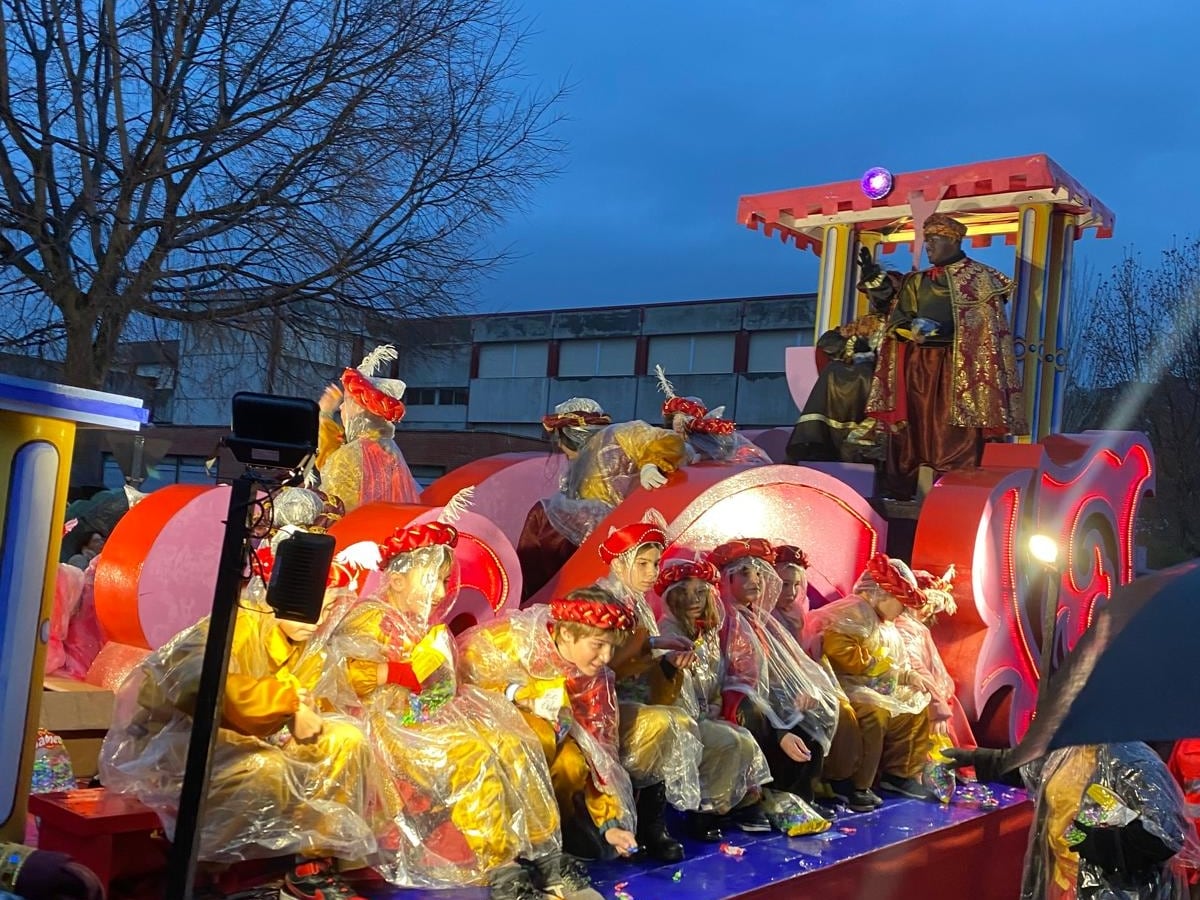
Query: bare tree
{"points": [[172, 161], [1135, 364]]}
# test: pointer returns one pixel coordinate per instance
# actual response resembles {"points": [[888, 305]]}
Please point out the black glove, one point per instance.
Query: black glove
{"points": [[1124, 849], [870, 268], [990, 765]]}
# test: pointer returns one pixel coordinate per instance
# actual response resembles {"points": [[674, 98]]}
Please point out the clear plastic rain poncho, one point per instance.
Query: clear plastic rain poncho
{"points": [[1117, 784], [606, 471], [368, 467], [518, 649], [764, 662], [883, 684], [269, 795], [921, 655], [464, 784], [734, 765], [733, 448], [677, 751]]}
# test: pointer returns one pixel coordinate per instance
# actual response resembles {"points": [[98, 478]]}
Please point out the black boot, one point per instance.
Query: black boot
{"points": [[703, 827], [652, 834]]}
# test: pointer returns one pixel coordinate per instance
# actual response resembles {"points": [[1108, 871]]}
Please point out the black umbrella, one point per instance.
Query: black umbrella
{"points": [[1133, 676]]}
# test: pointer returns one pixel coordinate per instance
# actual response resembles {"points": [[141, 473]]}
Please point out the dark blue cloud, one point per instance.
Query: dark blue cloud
{"points": [[679, 108]]}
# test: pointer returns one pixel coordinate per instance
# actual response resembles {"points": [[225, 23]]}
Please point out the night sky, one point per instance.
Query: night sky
{"points": [[676, 109]]}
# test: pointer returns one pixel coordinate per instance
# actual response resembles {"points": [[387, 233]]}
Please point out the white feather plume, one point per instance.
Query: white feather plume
{"points": [[364, 554], [663, 384], [384, 353], [457, 505], [653, 517]]}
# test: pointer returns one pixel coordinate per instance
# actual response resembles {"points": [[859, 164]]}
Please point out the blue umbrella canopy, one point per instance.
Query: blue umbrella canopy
{"points": [[1133, 676]]}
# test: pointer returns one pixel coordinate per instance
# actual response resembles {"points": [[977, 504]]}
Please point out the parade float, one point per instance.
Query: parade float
{"points": [[1015, 614]]}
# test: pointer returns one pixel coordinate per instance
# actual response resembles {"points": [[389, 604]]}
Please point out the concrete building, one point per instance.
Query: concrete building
{"points": [[480, 384]]}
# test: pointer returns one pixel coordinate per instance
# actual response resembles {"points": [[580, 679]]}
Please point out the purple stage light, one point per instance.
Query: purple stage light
{"points": [[877, 183]]}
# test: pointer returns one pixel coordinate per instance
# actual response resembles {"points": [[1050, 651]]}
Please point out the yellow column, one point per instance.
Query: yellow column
{"points": [[35, 455], [1058, 313], [1029, 309], [835, 284]]}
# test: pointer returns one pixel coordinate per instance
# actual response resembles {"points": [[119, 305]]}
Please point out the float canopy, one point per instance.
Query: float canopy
{"points": [[986, 197]]}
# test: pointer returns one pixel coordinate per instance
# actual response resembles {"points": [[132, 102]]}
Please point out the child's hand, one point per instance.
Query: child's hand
{"points": [[680, 659], [622, 841], [794, 748], [671, 642], [330, 399], [306, 725]]}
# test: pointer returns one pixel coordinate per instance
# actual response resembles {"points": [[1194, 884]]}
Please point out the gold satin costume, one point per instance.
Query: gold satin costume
{"points": [[464, 785], [894, 743], [516, 654], [268, 794]]}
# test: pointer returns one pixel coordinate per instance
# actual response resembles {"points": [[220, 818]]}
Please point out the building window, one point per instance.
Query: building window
{"points": [[439, 396], [692, 354], [420, 396], [582, 359], [525, 359], [767, 349]]}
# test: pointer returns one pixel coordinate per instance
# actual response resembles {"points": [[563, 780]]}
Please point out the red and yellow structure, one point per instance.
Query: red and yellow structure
{"points": [[1029, 201]]}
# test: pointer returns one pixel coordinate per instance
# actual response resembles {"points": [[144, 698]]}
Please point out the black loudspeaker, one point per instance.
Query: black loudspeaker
{"points": [[299, 576], [273, 432]]}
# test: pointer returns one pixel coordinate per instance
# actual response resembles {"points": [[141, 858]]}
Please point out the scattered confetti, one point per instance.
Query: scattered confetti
{"points": [[731, 850], [678, 876], [620, 886], [846, 829], [621, 895]]}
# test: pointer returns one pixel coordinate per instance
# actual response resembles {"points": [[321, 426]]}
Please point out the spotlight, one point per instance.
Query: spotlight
{"points": [[877, 183], [1044, 549], [271, 432]]}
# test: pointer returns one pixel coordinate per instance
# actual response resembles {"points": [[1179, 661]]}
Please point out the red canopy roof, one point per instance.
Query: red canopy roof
{"points": [[984, 196]]}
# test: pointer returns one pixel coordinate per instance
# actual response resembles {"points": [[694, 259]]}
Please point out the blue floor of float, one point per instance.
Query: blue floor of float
{"points": [[709, 873]]}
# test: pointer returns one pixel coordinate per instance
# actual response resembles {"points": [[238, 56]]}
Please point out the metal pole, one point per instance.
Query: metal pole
{"points": [[181, 869], [1049, 621]]}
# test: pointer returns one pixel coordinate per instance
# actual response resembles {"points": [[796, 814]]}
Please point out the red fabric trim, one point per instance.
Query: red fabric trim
{"points": [[625, 539], [406, 540], [362, 391], [758, 548], [675, 572], [402, 673]]}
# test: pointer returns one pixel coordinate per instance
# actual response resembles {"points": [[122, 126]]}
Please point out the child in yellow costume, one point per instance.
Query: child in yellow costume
{"points": [[866, 651], [947, 719], [287, 777], [359, 460], [708, 436], [733, 768], [465, 788], [551, 661], [605, 464]]}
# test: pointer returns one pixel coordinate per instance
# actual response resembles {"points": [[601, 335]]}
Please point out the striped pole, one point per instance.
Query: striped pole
{"points": [[1029, 310], [1058, 311], [835, 283]]}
